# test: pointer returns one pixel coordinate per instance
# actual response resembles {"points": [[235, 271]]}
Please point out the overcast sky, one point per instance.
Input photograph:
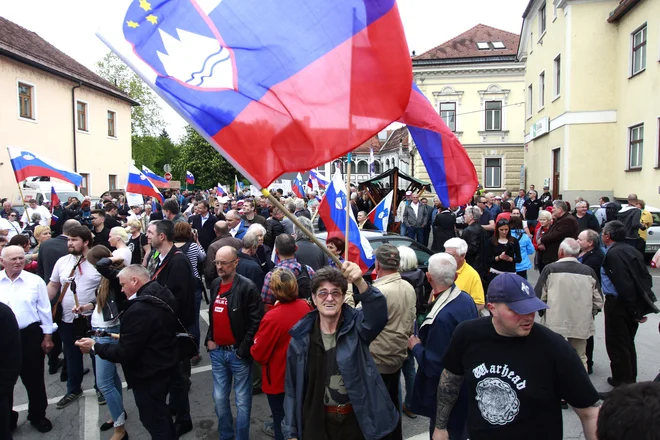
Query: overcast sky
{"points": [[70, 25]]}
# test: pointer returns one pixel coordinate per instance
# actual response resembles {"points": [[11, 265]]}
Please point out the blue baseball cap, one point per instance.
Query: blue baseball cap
{"points": [[514, 291]]}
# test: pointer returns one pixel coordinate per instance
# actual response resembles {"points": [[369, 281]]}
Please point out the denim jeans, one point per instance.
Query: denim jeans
{"points": [[194, 327], [224, 366], [73, 356], [108, 381], [408, 370], [276, 403], [416, 234]]}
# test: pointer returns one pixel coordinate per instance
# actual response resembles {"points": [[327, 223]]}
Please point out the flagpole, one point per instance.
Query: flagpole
{"points": [[348, 203], [294, 219], [20, 191]]}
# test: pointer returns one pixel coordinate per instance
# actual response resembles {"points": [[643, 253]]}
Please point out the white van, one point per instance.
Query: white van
{"points": [[39, 190]]}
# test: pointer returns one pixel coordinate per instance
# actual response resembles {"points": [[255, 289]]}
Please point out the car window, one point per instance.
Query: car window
{"points": [[656, 218], [422, 254]]}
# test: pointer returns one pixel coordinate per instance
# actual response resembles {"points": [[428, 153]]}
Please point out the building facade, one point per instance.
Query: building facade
{"points": [[55, 107], [592, 120], [476, 84]]}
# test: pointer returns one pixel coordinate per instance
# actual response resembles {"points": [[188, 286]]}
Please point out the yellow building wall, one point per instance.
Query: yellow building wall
{"points": [[51, 134]]}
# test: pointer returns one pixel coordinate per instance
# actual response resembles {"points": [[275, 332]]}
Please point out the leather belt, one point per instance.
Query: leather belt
{"points": [[225, 347], [339, 409]]}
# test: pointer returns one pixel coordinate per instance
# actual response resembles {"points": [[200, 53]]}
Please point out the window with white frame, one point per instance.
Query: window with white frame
{"points": [[112, 124], [530, 99], [557, 63], [639, 50], [493, 115], [542, 20], [493, 172], [448, 114], [541, 90], [81, 115], [25, 101], [635, 146]]}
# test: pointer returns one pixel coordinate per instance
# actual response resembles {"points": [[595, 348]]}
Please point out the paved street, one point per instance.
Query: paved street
{"points": [[82, 418]]}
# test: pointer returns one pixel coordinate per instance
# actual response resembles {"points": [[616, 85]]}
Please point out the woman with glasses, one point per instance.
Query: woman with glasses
{"points": [[545, 221], [11, 225], [272, 340], [504, 251], [264, 252], [526, 246]]}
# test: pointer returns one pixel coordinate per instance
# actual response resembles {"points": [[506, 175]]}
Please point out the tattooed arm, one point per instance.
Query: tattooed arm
{"points": [[588, 417], [448, 389]]}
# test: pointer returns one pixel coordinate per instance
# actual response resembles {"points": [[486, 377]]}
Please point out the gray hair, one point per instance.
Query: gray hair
{"points": [[459, 244], [545, 215], [581, 203], [137, 271], [36, 217], [442, 268], [290, 206], [299, 233], [256, 229], [561, 205], [570, 247], [408, 259], [250, 240], [474, 211], [592, 236], [7, 249], [300, 203]]}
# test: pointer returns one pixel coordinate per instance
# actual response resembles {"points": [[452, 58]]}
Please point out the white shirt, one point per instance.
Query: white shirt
{"points": [[203, 219], [234, 230], [27, 296], [41, 210], [13, 227], [86, 283], [124, 253], [415, 207]]}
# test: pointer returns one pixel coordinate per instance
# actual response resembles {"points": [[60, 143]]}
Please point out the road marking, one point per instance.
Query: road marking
{"points": [[205, 316], [90, 429], [424, 436], [92, 392]]}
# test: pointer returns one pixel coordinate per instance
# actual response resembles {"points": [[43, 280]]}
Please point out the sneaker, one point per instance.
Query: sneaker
{"points": [[67, 400], [268, 428], [99, 398]]}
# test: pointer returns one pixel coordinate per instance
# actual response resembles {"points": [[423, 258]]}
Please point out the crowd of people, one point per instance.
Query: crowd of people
{"points": [[327, 344]]}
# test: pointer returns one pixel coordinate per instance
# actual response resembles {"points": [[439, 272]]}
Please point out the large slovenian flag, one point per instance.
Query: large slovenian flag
{"points": [[380, 215], [321, 181], [27, 164], [138, 183], [297, 187], [450, 168], [158, 181], [270, 84], [332, 210]]}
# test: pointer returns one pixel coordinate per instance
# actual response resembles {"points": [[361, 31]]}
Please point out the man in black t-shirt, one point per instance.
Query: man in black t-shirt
{"points": [[531, 209], [517, 372]]}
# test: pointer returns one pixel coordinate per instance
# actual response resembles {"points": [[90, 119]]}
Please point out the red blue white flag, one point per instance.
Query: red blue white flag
{"points": [[220, 191], [158, 181], [54, 199], [297, 187], [190, 179], [380, 215], [138, 183], [450, 168], [321, 181], [332, 210], [310, 183], [27, 164], [274, 86]]}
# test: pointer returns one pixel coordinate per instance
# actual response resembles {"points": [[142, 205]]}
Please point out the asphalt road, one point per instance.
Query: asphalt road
{"points": [[80, 420]]}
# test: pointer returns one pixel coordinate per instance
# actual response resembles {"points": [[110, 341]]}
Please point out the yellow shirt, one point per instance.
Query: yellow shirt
{"points": [[469, 281], [647, 219]]}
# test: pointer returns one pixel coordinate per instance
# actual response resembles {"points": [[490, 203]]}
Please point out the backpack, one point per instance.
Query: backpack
{"points": [[304, 283], [611, 211]]}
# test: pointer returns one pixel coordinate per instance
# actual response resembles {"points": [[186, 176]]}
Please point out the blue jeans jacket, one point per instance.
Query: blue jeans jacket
{"points": [[375, 412]]}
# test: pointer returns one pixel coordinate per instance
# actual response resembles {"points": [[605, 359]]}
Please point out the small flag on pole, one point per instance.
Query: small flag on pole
{"points": [[297, 188], [190, 179], [380, 215]]}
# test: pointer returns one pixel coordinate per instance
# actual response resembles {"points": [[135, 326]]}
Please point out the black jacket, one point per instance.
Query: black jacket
{"points": [[49, 252], [245, 312], [625, 267], [116, 298], [588, 221], [177, 276], [564, 227], [477, 254], [274, 227], [444, 228], [147, 348], [594, 259], [632, 220], [205, 233], [10, 347], [310, 254], [250, 269]]}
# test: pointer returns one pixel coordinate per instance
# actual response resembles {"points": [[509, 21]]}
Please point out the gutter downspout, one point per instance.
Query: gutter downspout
{"points": [[73, 104]]}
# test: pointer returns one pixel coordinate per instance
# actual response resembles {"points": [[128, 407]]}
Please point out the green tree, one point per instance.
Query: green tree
{"points": [[168, 151], [146, 119], [200, 158]]}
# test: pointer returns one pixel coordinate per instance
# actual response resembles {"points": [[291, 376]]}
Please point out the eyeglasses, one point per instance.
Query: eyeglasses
{"points": [[11, 215], [223, 263], [323, 294]]}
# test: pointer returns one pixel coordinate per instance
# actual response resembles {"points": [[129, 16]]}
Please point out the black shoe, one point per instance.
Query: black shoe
{"points": [[107, 426], [64, 376], [53, 369], [42, 425], [613, 382], [182, 428], [409, 413], [85, 371], [13, 422], [563, 404], [256, 391], [590, 369]]}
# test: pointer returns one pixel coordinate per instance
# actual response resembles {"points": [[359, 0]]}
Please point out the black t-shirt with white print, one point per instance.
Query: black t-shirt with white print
{"points": [[515, 385]]}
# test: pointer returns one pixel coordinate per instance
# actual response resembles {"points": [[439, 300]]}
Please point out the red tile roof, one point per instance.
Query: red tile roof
{"points": [[465, 45], [392, 143], [365, 148], [19, 43]]}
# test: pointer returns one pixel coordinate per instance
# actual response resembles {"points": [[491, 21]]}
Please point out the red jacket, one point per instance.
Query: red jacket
{"points": [[272, 342]]}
